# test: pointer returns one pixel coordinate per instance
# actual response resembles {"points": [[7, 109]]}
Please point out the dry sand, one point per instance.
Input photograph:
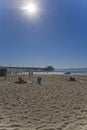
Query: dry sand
{"points": [[57, 104]]}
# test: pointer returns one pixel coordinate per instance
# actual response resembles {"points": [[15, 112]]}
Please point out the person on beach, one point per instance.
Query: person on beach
{"points": [[29, 74], [5, 75]]}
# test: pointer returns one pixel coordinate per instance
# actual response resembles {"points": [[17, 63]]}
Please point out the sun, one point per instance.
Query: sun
{"points": [[30, 8]]}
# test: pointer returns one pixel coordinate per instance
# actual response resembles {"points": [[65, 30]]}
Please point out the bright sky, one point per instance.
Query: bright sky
{"points": [[52, 32]]}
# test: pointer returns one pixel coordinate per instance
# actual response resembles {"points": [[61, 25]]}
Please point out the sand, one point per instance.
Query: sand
{"points": [[56, 104]]}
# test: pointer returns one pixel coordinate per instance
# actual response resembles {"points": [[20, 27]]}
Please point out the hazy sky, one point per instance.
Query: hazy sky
{"points": [[56, 36]]}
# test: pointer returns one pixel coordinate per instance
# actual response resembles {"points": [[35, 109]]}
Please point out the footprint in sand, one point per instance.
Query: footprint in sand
{"points": [[77, 125], [49, 129], [3, 129], [45, 128]]}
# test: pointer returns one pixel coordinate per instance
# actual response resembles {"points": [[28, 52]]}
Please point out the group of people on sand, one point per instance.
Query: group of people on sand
{"points": [[22, 81], [30, 73], [5, 75]]}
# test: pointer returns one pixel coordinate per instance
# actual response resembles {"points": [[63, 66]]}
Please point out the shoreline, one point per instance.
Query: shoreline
{"points": [[50, 73]]}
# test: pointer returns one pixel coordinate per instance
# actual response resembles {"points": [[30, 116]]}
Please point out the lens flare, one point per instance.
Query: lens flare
{"points": [[30, 8]]}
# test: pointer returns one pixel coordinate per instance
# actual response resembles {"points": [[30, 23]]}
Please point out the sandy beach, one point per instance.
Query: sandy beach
{"points": [[56, 104]]}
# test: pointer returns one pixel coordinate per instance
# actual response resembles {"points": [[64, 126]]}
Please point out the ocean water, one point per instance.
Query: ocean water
{"points": [[72, 70], [62, 71]]}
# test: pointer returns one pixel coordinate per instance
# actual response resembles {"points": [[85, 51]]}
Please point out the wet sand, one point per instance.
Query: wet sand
{"points": [[56, 104]]}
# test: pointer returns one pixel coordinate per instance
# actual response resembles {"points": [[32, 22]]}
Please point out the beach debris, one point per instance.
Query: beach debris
{"points": [[39, 81], [72, 79]]}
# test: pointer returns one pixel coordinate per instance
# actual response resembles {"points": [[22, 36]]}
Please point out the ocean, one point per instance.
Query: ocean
{"points": [[73, 70], [62, 71]]}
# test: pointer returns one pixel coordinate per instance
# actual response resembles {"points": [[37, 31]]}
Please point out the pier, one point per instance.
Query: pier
{"points": [[16, 70]]}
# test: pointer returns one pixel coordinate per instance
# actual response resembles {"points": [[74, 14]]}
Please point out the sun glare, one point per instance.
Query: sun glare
{"points": [[30, 8]]}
